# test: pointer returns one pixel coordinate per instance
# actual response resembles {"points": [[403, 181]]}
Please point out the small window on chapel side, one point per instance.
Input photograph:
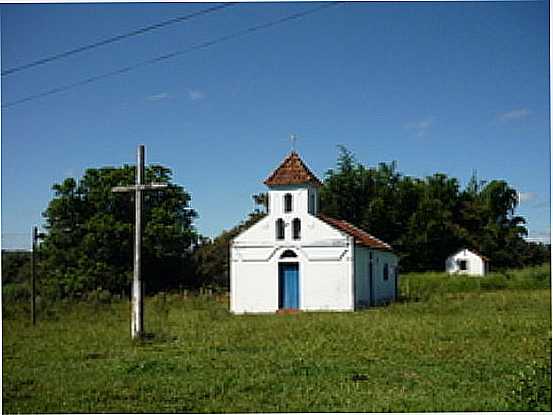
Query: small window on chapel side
{"points": [[287, 202], [386, 272]]}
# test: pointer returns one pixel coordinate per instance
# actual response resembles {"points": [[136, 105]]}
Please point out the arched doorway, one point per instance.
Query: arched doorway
{"points": [[288, 281]]}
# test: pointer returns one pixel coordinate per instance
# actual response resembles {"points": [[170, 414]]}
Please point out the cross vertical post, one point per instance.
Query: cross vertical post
{"points": [[137, 322], [137, 297]]}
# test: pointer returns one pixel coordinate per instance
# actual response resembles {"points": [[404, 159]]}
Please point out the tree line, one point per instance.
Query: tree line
{"points": [[427, 219], [89, 239]]}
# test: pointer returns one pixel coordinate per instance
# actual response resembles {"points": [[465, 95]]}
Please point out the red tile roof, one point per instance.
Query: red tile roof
{"points": [[292, 171], [361, 237]]}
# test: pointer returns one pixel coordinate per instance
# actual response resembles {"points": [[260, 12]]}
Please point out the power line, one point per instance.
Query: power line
{"points": [[114, 39], [171, 55]]}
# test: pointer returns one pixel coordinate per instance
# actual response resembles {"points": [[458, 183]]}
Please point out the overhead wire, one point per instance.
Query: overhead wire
{"points": [[171, 55], [114, 39]]}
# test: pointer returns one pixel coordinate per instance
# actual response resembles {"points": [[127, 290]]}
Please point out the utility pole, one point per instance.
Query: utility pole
{"points": [[34, 253], [33, 270], [137, 314]]}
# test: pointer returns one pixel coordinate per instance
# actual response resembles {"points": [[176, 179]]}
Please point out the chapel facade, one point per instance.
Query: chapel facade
{"points": [[296, 258]]}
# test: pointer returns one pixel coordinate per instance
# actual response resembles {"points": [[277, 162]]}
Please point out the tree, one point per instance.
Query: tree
{"points": [[346, 190], [261, 201], [425, 220], [15, 267], [211, 259], [503, 230], [89, 243]]}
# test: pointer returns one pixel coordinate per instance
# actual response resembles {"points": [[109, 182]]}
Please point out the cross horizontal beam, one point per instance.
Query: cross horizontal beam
{"points": [[134, 188]]}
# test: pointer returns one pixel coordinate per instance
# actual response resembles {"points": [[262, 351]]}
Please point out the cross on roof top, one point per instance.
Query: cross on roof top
{"points": [[293, 139]]}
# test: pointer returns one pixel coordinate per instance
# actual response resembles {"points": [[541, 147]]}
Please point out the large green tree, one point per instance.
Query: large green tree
{"points": [[211, 258], [425, 220], [89, 242]]}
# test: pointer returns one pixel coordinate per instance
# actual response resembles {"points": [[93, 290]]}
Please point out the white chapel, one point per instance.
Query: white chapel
{"points": [[296, 258]]}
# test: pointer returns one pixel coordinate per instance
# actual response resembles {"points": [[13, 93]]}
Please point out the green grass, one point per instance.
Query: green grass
{"points": [[460, 351], [424, 285]]}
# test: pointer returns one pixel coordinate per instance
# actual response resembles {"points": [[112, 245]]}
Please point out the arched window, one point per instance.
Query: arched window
{"points": [[279, 229], [287, 202], [296, 228], [288, 254]]}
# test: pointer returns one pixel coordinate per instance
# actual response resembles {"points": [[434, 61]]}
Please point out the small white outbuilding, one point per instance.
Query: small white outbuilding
{"points": [[467, 262], [295, 258]]}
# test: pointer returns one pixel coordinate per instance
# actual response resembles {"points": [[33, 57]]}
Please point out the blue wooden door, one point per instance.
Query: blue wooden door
{"points": [[288, 289]]}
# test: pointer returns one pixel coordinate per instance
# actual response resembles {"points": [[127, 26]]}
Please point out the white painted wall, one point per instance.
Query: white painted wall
{"points": [[475, 264], [324, 255], [362, 277], [383, 290], [300, 198], [325, 279], [327, 258]]}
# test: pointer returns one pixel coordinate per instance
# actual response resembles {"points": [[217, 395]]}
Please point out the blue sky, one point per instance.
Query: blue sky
{"points": [[439, 87]]}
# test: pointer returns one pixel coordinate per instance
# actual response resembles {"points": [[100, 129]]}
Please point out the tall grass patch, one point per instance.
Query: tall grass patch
{"points": [[423, 286]]}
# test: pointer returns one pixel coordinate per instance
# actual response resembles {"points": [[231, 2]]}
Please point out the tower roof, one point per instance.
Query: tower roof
{"points": [[292, 171]]}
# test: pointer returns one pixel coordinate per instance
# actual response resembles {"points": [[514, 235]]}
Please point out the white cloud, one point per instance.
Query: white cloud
{"points": [[196, 94], [526, 196], [516, 114], [421, 127], [158, 97]]}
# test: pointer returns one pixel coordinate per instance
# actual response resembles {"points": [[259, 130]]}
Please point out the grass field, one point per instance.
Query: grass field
{"points": [[472, 350]]}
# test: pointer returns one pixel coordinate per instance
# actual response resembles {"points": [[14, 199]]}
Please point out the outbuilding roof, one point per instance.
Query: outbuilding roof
{"points": [[292, 171], [360, 236], [485, 258]]}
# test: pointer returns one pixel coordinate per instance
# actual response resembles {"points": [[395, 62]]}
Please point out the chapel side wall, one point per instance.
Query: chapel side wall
{"points": [[384, 289], [362, 288]]}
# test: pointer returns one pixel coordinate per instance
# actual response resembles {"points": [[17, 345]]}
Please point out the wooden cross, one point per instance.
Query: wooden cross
{"points": [[137, 318]]}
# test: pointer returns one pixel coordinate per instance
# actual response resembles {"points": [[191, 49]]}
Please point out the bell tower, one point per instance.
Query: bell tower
{"points": [[293, 188]]}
